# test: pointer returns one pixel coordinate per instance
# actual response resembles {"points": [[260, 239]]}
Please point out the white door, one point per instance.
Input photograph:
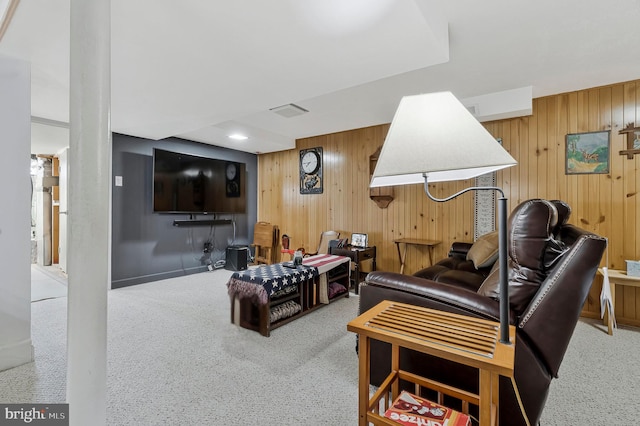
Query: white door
{"points": [[62, 249]]}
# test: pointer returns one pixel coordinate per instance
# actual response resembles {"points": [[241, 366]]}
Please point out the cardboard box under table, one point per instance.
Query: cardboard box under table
{"points": [[269, 296]]}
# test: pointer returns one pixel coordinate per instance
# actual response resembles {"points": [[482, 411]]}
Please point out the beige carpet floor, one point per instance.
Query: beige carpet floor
{"points": [[47, 282], [175, 359]]}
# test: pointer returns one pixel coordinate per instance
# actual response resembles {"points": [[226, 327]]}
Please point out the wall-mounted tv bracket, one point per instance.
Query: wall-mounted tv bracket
{"points": [[207, 222]]}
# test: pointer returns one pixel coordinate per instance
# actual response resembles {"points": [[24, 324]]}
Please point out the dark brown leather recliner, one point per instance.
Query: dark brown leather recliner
{"points": [[551, 268]]}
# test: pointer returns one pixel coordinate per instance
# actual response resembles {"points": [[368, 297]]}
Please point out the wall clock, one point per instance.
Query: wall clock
{"points": [[232, 175], [311, 171]]}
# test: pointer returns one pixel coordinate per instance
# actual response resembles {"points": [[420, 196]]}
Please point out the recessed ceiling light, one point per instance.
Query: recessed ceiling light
{"points": [[238, 137]]}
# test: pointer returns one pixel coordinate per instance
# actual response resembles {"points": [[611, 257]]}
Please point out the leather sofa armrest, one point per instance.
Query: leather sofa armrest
{"points": [[427, 293], [459, 249]]}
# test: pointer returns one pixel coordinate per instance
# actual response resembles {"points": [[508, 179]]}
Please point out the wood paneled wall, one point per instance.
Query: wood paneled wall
{"points": [[607, 204]]}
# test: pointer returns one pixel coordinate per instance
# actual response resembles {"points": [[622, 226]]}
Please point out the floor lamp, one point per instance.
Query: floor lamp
{"points": [[434, 138]]}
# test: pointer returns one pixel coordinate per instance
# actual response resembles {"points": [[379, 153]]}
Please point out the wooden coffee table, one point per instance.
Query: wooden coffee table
{"points": [[255, 291]]}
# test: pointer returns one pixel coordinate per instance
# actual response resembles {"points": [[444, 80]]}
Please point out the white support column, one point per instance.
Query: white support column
{"points": [[89, 217], [15, 213]]}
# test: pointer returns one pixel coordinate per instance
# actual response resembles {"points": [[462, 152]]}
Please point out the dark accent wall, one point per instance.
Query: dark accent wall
{"points": [[146, 246]]}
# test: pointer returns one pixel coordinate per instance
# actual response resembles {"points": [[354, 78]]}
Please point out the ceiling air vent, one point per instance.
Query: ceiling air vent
{"points": [[289, 110]]}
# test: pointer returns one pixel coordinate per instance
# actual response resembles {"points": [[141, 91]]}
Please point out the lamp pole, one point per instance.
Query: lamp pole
{"points": [[502, 250], [504, 275]]}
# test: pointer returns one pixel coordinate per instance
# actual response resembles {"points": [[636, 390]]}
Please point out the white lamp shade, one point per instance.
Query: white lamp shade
{"points": [[434, 134]]}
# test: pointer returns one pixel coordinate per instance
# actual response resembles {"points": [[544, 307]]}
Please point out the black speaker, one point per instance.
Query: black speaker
{"points": [[236, 258]]}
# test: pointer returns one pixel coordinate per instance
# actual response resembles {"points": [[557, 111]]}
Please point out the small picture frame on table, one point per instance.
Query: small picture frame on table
{"points": [[359, 240]]}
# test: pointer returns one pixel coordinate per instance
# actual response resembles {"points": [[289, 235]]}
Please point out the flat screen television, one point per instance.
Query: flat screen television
{"points": [[184, 183]]}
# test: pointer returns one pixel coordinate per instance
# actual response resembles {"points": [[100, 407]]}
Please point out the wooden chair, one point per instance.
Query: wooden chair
{"points": [[264, 240], [323, 245]]}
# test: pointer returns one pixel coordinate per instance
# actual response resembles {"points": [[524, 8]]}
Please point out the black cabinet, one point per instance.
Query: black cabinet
{"points": [[357, 255]]}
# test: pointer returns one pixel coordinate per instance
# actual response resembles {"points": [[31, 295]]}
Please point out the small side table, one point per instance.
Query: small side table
{"points": [[357, 255], [414, 242], [616, 278], [458, 338]]}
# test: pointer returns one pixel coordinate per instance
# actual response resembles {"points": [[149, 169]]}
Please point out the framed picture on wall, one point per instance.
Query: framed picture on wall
{"points": [[587, 153]]}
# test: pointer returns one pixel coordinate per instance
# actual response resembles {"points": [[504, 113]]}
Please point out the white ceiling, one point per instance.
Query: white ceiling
{"points": [[200, 69]]}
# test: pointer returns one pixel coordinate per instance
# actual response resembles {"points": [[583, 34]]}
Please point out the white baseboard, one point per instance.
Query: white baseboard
{"points": [[16, 354]]}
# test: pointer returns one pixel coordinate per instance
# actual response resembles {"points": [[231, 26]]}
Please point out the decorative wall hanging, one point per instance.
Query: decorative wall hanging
{"points": [[485, 205], [633, 140], [382, 195], [311, 171], [587, 153]]}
